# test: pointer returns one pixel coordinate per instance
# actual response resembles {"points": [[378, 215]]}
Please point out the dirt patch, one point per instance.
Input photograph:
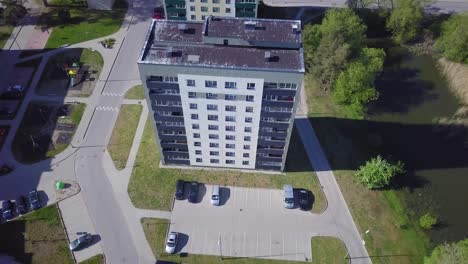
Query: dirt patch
{"points": [[457, 76]]}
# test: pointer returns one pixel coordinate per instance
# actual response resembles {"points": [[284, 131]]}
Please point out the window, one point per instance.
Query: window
{"points": [[215, 9], [196, 135], [214, 160], [230, 128], [228, 2], [230, 154], [213, 127], [198, 152], [250, 86], [214, 145], [213, 117], [230, 162], [192, 8], [203, 17], [199, 160], [249, 109], [230, 137], [193, 106], [214, 153], [230, 97], [246, 146], [211, 84], [247, 138], [230, 118], [211, 96], [197, 144], [190, 82], [215, 1], [204, 8], [191, 1], [231, 146], [170, 78], [230, 85], [245, 162], [213, 136], [194, 116], [249, 98], [230, 108], [248, 129], [195, 126], [212, 107], [193, 17], [192, 94], [246, 155], [228, 10], [248, 120], [204, 1]]}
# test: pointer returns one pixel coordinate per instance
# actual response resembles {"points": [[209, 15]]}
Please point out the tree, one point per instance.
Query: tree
{"points": [[64, 15], [428, 221], [454, 253], [378, 172], [405, 20], [354, 87], [310, 39], [453, 41], [329, 60], [13, 11]]}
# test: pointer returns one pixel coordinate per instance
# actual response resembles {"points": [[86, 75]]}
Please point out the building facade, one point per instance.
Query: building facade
{"points": [[199, 10], [223, 92]]}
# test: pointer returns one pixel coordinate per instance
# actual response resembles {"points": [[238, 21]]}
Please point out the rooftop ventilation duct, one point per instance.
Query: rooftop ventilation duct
{"points": [[193, 58], [269, 57], [296, 28], [250, 24]]}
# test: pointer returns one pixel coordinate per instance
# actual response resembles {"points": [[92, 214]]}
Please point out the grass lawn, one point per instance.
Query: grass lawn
{"points": [[328, 250], [36, 238], [5, 32], [85, 24], [122, 136], [136, 92], [152, 187], [393, 233], [67, 2], [92, 59], [98, 259]]}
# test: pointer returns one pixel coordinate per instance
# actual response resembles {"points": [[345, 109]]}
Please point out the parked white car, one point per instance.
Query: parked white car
{"points": [[16, 88], [171, 243], [215, 195]]}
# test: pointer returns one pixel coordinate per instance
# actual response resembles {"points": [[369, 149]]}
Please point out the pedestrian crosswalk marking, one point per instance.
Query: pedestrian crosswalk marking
{"points": [[107, 108], [112, 94]]}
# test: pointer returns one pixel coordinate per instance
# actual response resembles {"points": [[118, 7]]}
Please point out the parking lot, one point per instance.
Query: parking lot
{"points": [[250, 222]]}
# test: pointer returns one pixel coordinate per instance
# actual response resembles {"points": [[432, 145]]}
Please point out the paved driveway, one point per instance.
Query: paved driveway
{"points": [[250, 223]]}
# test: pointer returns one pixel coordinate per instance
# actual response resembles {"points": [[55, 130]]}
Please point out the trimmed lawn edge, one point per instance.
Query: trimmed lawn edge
{"points": [[136, 92]]}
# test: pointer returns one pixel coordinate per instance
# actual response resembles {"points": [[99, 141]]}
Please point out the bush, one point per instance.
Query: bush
{"points": [[453, 41], [378, 172], [428, 221], [455, 253]]}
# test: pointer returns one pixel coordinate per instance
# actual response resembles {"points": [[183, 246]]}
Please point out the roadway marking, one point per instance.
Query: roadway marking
{"points": [[107, 108], [113, 94]]}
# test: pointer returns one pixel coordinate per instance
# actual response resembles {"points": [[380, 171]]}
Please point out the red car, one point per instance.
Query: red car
{"points": [[158, 13]]}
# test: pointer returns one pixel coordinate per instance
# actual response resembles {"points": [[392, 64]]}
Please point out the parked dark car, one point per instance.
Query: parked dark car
{"points": [[34, 201], [304, 199], [80, 242], [193, 192], [8, 209], [158, 13], [179, 193], [21, 205]]}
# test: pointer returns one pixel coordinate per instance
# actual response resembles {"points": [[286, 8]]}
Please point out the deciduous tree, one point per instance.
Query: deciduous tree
{"points": [[378, 172], [454, 253], [453, 41], [405, 20]]}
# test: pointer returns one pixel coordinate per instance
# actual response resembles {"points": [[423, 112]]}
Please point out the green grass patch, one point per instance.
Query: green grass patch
{"points": [[85, 24], [122, 136], [92, 59], [155, 231], [5, 33], [393, 233], [36, 238], [152, 187], [68, 3], [136, 92], [98, 259], [329, 250]]}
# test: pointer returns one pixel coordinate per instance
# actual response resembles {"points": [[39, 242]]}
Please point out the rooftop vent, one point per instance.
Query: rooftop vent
{"points": [[270, 58], [182, 27], [296, 28], [168, 51], [250, 24], [193, 58]]}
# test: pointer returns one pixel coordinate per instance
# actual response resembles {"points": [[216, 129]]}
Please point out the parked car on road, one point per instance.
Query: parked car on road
{"points": [[288, 196], [215, 195], [8, 209], [193, 192], [80, 242], [15, 88], [34, 201], [21, 205], [158, 13], [171, 243], [179, 193], [304, 199]]}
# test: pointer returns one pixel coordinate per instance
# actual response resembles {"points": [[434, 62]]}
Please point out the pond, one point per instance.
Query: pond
{"points": [[413, 121]]}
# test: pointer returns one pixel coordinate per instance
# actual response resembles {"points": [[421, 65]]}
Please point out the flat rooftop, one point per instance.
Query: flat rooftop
{"points": [[268, 44]]}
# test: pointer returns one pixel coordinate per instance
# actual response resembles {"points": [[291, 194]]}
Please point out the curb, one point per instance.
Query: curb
{"points": [[64, 229]]}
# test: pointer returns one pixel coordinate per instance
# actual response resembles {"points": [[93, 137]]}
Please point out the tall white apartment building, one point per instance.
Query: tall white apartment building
{"points": [[199, 10], [223, 92]]}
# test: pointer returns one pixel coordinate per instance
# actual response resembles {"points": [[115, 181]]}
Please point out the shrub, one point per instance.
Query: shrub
{"points": [[428, 221]]}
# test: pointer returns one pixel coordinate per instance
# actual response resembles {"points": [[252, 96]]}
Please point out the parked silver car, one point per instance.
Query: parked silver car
{"points": [[171, 243]]}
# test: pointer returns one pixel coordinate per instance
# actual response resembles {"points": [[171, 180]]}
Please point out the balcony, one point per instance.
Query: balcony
{"points": [[177, 162], [275, 114]]}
